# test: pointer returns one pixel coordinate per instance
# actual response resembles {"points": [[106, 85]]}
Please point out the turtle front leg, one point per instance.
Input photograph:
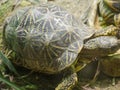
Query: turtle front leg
{"points": [[68, 82]]}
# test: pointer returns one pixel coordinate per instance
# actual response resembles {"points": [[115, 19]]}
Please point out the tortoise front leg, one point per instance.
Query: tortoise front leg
{"points": [[69, 80], [68, 83]]}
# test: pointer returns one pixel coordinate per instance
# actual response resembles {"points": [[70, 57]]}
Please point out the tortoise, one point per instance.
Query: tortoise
{"points": [[48, 39], [112, 16], [109, 10]]}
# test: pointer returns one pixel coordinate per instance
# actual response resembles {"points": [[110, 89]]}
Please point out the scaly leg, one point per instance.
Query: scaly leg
{"points": [[68, 83]]}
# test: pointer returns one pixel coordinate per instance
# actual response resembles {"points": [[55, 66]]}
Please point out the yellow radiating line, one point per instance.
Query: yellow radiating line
{"points": [[58, 16], [57, 39], [30, 12], [75, 41], [22, 18], [27, 15], [76, 34], [33, 16], [70, 36], [80, 46], [63, 48], [51, 25], [49, 53], [42, 18], [50, 64], [17, 16], [30, 18], [59, 30], [59, 21], [36, 34], [66, 56], [67, 38], [26, 31], [53, 51], [43, 26], [59, 12], [38, 27], [71, 57], [73, 49], [63, 34]]}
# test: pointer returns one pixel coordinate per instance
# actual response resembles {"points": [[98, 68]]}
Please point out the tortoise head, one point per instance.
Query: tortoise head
{"points": [[113, 4]]}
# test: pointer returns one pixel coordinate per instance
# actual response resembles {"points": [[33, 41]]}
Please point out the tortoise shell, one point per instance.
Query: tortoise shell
{"points": [[113, 4], [45, 38], [110, 11], [110, 65]]}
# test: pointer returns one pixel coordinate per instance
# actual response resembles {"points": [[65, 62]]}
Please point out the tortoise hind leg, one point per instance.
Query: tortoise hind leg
{"points": [[68, 82]]}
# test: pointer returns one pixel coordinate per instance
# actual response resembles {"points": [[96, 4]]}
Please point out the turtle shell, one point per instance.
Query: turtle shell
{"points": [[45, 38], [113, 4], [110, 65]]}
